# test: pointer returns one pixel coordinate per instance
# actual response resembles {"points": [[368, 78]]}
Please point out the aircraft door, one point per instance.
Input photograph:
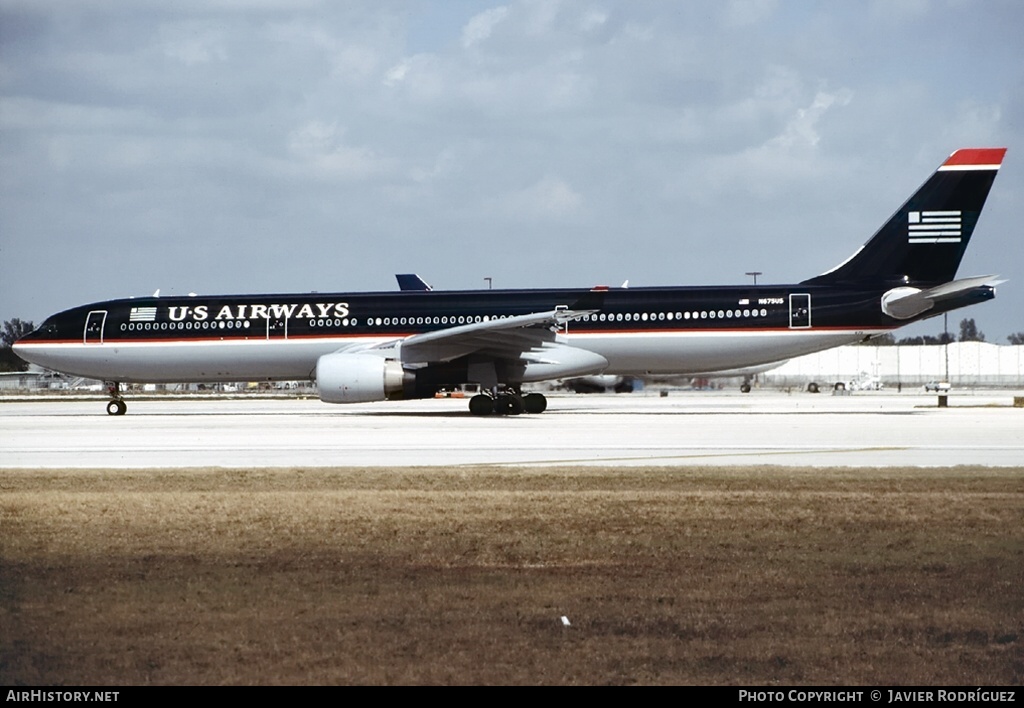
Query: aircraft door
{"points": [[277, 327], [799, 310], [94, 326]]}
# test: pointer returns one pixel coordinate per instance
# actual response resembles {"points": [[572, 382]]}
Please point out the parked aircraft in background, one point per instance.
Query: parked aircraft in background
{"points": [[409, 344], [605, 383], [410, 282], [602, 383]]}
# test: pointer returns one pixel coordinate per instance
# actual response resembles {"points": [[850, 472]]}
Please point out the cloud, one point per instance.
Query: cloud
{"points": [[763, 171], [318, 150], [549, 198], [481, 26], [974, 123], [898, 10], [192, 44], [593, 19], [802, 129], [397, 73], [749, 12]]}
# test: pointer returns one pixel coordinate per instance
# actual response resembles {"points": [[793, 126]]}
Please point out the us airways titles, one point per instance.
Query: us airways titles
{"points": [[201, 313]]}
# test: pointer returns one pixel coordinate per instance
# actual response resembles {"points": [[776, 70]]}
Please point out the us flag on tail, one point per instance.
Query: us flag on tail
{"points": [[934, 227]]}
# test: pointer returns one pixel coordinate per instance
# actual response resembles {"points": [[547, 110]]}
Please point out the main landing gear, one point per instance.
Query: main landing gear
{"points": [[507, 402], [116, 404], [745, 386]]}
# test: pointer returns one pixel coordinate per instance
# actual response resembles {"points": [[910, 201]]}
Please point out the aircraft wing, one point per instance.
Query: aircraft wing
{"points": [[502, 338], [526, 342]]}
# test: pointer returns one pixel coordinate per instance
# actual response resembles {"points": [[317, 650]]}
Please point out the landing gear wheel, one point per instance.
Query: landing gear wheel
{"points": [[745, 388], [508, 404], [812, 387], [535, 403], [116, 404], [481, 405]]}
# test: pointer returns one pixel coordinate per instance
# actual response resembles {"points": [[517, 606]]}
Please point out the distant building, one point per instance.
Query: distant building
{"points": [[970, 364], [37, 379], [20, 380]]}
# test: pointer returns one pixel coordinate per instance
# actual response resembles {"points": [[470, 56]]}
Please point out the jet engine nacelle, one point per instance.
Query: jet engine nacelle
{"points": [[359, 378]]}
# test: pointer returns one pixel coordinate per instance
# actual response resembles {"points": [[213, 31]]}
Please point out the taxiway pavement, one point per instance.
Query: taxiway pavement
{"points": [[684, 428]]}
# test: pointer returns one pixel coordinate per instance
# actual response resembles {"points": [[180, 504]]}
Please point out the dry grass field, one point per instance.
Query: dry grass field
{"points": [[709, 576]]}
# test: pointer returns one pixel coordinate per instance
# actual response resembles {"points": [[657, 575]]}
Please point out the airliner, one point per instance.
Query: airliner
{"points": [[376, 346]]}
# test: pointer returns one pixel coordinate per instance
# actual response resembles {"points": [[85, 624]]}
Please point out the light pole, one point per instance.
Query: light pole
{"points": [[754, 274], [945, 342]]}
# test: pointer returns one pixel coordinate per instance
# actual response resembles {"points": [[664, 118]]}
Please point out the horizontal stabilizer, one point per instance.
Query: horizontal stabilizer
{"points": [[906, 302]]}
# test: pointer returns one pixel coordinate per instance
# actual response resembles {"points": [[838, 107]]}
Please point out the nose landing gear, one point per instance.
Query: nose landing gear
{"points": [[116, 404]]}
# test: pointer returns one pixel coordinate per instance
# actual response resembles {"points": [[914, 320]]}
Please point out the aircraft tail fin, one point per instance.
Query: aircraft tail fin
{"points": [[925, 240], [411, 281]]}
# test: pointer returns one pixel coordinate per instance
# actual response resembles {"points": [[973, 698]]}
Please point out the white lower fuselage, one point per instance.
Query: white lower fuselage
{"points": [[259, 359]]}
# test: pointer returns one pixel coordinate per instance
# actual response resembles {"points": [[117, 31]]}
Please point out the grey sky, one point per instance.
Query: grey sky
{"points": [[271, 146]]}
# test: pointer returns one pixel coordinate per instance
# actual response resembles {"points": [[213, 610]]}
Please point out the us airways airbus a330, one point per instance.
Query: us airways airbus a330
{"points": [[362, 347]]}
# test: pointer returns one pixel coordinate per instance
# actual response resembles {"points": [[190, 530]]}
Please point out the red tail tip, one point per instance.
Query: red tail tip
{"points": [[976, 156]]}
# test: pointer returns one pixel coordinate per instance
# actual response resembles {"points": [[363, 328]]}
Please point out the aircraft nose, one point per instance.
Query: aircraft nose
{"points": [[20, 350], [29, 337], [20, 347], [23, 347]]}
